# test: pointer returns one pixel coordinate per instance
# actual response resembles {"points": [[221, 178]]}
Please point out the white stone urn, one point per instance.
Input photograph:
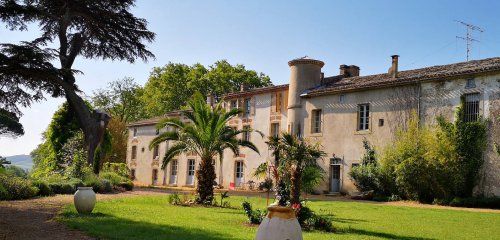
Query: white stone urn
{"points": [[279, 224], [84, 200]]}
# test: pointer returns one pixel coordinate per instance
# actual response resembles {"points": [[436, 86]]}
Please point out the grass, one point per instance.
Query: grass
{"points": [[151, 217]]}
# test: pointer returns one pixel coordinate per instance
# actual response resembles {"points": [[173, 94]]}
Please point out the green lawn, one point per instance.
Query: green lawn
{"points": [[151, 217]]}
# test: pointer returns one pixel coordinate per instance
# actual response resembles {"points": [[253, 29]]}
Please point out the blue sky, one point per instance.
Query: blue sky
{"points": [[264, 35]]}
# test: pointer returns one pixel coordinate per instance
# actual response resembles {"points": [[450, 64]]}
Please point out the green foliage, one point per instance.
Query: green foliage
{"points": [[171, 86], [118, 168], [253, 216], [366, 177], [370, 155], [295, 157], [43, 187], [3, 161], [127, 185], [174, 199], [224, 195], [312, 176], [320, 223], [303, 214], [121, 99], [13, 188], [206, 134], [434, 162], [112, 177], [16, 171], [476, 202], [266, 185], [49, 156], [9, 123]]}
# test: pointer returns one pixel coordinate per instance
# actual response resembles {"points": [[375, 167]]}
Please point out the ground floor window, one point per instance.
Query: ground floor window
{"points": [[155, 176], [132, 174], [173, 171], [190, 173], [471, 107], [238, 168]]}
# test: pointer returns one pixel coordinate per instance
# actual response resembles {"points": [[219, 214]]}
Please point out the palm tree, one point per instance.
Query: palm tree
{"points": [[296, 157], [207, 135]]}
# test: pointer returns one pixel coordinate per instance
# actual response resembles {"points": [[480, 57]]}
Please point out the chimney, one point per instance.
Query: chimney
{"points": [[349, 71], [393, 70]]}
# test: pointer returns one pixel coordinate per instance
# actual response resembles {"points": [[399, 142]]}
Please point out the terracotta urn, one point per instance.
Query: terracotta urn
{"points": [[84, 200], [279, 224]]}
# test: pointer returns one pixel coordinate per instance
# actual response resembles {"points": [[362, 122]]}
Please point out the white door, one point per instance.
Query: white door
{"points": [[173, 172], [239, 174], [190, 175], [335, 178]]}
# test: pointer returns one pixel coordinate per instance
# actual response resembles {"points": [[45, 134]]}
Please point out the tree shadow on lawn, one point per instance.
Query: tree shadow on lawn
{"points": [[379, 234], [106, 226]]}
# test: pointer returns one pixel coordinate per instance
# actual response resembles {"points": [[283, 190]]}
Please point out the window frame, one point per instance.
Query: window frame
{"points": [[363, 121], [247, 105], [469, 106], [133, 152], [246, 135], [316, 120], [174, 167], [189, 167], [272, 132]]}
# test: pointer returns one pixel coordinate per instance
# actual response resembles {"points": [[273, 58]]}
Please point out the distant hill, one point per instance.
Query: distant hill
{"points": [[23, 161]]}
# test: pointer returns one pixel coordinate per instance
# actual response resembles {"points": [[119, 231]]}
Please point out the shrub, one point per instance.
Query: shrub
{"points": [[68, 186], [107, 187], [43, 187], [114, 178], [174, 199], [94, 182], [266, 185], [476, 202], [127, 185], [16, 171], [16, 188], [118, 168], [321, 223], [366, 177], [304, 213], [254, 217]]}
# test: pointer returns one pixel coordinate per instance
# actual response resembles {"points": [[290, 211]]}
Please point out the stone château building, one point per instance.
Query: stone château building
{"points": [[339, 112]]}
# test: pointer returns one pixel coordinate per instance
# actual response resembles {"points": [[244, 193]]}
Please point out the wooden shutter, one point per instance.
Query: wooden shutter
{"points": [[252, 106], [273, 102]]}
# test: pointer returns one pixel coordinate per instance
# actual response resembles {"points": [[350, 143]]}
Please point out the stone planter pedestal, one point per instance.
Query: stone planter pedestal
{"points": [[279, 224], [84, 200]]}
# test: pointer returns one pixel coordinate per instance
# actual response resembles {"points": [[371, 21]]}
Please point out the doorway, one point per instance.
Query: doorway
{"points": [[335, 175], [190, 173], [238, 173]]}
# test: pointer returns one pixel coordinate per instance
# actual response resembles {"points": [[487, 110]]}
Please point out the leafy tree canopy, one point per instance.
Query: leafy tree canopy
{"points": [[121, 99], [169, 87]]}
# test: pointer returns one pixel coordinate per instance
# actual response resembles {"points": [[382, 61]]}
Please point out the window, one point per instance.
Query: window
{"points": [[132, 174], [191, 163], [135, 132], [363, 117], [279, 101], [234, 104], [470, 83], [156, 152], [134, 152], [316, 121], [381, 122], [155, 176], [246, 135], [238, 168], [248, 107], [173, 167], [471, 107], [275, 129], [342, 98]]}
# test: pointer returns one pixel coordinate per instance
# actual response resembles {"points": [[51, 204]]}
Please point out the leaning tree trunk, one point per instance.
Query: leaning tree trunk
{"points": [[93, 123], [296, 182], [206, 177]]}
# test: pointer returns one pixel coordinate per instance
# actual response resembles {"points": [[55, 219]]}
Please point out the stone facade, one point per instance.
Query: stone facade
{"points": [[330, 111]]}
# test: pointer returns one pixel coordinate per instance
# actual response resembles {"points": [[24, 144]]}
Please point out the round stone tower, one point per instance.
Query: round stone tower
{"points": [[305, 73]]}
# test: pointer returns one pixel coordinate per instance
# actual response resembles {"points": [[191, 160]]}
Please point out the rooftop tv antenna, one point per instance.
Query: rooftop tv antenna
{"points": [[468, 37]]}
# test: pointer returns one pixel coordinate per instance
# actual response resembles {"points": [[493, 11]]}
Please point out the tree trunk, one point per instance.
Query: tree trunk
{"points": [[93, 124], [206, 177], [296, 182]]}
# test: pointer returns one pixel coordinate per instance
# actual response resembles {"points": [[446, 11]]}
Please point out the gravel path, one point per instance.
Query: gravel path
{"points": [[34, 218]]}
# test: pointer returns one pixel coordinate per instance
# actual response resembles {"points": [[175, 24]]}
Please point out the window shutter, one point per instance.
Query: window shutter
{"points": [[241, 107], [252, 106], [273, 102]]}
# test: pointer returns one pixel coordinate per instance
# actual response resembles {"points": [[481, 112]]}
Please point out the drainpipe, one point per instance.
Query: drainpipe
{"points": [[418, 103]]}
